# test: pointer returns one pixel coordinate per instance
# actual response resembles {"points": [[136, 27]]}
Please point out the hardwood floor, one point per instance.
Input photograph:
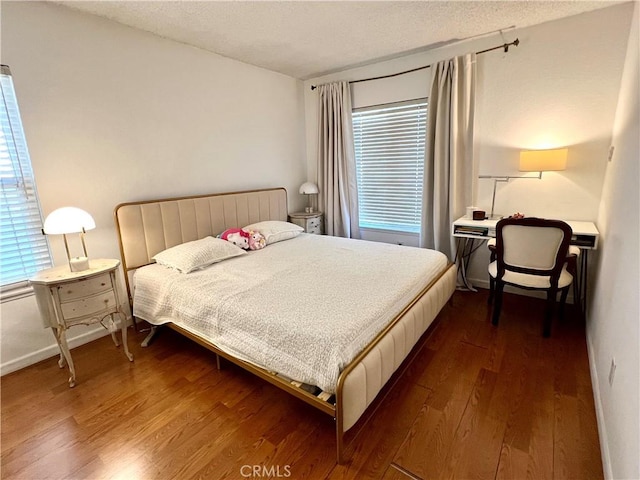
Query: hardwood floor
{"points": [[477, 402]]}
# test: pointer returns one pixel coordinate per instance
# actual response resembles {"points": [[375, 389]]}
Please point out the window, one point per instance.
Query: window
{"points": [[389, 145], [23, 248]]}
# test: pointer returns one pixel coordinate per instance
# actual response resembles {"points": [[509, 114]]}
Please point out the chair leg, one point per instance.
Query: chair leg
{"points": [[492, 281], [551, 300], [492, 287], [563, 301], [497, 307]]}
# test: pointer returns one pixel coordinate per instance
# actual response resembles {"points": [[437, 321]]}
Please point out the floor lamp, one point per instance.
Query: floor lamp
{"points": [[531, 161]]}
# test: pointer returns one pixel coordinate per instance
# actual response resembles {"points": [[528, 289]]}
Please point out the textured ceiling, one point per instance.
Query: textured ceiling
{"points": [[305, 39]]}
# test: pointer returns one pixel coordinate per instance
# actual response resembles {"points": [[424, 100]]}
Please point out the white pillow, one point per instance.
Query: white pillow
{"points": [[275, 230], [191, 256]]}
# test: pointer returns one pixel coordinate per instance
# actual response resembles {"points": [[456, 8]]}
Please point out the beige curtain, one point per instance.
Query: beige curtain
{"points": [[338, 195], [449, 165]]}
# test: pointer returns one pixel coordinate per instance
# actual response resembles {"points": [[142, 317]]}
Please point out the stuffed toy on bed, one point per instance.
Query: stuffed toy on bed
{"points": [[256, 240], [237, 236]]}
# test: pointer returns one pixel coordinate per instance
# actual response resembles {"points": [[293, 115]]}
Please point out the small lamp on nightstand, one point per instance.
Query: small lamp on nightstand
{"points": [[70, 220], [309, 188]]}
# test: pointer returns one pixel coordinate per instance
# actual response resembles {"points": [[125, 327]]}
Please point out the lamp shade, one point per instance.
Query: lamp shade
{"points": [[543, 160], [68, 220], [308, 188]]}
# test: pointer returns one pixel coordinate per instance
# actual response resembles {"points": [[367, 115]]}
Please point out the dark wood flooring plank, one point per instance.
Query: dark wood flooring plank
{"points": [[513, 464], [426, 448], [17, 458], [190, 446], [567, 438], [476, 399], [378, 442], [395, 473], [528, 441], [477, 443]]}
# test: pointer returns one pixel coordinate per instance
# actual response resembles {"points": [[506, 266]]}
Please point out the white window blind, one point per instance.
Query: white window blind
{"points": [[24, 249], [389, 146]]}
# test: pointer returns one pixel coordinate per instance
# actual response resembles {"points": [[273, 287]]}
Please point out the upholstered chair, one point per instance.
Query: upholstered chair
{"points": [[531, 253], [572, 266]]}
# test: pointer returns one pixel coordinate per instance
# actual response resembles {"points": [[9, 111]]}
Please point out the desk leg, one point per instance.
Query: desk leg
{"points": [[583, 281], [580, 283], [65, 354]]}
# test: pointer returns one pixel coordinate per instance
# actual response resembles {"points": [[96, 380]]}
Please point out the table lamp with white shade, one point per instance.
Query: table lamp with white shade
{"points": [[70, 220], [309, 188], [532, 161]]}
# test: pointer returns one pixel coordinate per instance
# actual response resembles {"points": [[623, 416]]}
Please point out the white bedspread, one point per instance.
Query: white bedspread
{"points": [[304, 307]]}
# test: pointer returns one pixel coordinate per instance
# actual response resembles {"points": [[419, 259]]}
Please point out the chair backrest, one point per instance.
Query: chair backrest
{"points": [[535, 246]]}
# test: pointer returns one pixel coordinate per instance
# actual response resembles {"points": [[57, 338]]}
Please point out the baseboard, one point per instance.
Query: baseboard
{"points": [[53, 350], [602, 431]]}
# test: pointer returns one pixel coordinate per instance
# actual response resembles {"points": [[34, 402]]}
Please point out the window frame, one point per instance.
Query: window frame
{"points": [[17, 183], [420, 105]]}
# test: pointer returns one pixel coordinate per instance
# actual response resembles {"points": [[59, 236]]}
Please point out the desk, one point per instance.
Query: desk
{"points": [[467, 231]]}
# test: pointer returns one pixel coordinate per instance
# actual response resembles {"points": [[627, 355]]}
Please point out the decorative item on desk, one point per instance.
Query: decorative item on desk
{"points": [[70, 220], [531, 161], [517, 215], [309, 188], [479, 215]]}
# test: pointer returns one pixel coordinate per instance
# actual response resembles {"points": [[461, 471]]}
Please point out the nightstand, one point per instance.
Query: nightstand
{"points": [[311, 222], [68, 298]]}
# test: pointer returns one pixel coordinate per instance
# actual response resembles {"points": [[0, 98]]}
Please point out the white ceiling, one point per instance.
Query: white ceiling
{"points": [[306, 39]]}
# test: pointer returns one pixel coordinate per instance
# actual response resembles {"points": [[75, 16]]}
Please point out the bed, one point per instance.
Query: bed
{"points": [[376, 319]]}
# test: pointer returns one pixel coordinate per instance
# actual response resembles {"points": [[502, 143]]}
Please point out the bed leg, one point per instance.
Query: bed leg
{"points": [[149, 337], [340, 445], [218, 362]]}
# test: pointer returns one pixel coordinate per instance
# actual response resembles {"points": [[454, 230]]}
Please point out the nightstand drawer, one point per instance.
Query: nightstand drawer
{"points": [[313, 223], [88, 306], [315, 229], [82, 288]]}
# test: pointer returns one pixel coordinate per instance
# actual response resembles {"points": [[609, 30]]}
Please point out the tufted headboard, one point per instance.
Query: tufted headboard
{"points": [[147, 227]]}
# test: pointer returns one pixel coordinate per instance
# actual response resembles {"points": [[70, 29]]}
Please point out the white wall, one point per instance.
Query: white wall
{"points": [[613, 326], [558, 88], [112, 114]]}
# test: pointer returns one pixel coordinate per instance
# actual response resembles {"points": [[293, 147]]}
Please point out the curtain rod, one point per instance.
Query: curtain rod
{"points": [[506, 46]]}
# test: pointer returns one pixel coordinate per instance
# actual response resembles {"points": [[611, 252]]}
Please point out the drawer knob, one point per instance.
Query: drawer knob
{"points": [[106, 300], [102, 284]]}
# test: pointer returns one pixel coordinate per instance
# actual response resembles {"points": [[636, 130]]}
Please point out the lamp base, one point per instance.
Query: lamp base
{"points": [[79, 264]]}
